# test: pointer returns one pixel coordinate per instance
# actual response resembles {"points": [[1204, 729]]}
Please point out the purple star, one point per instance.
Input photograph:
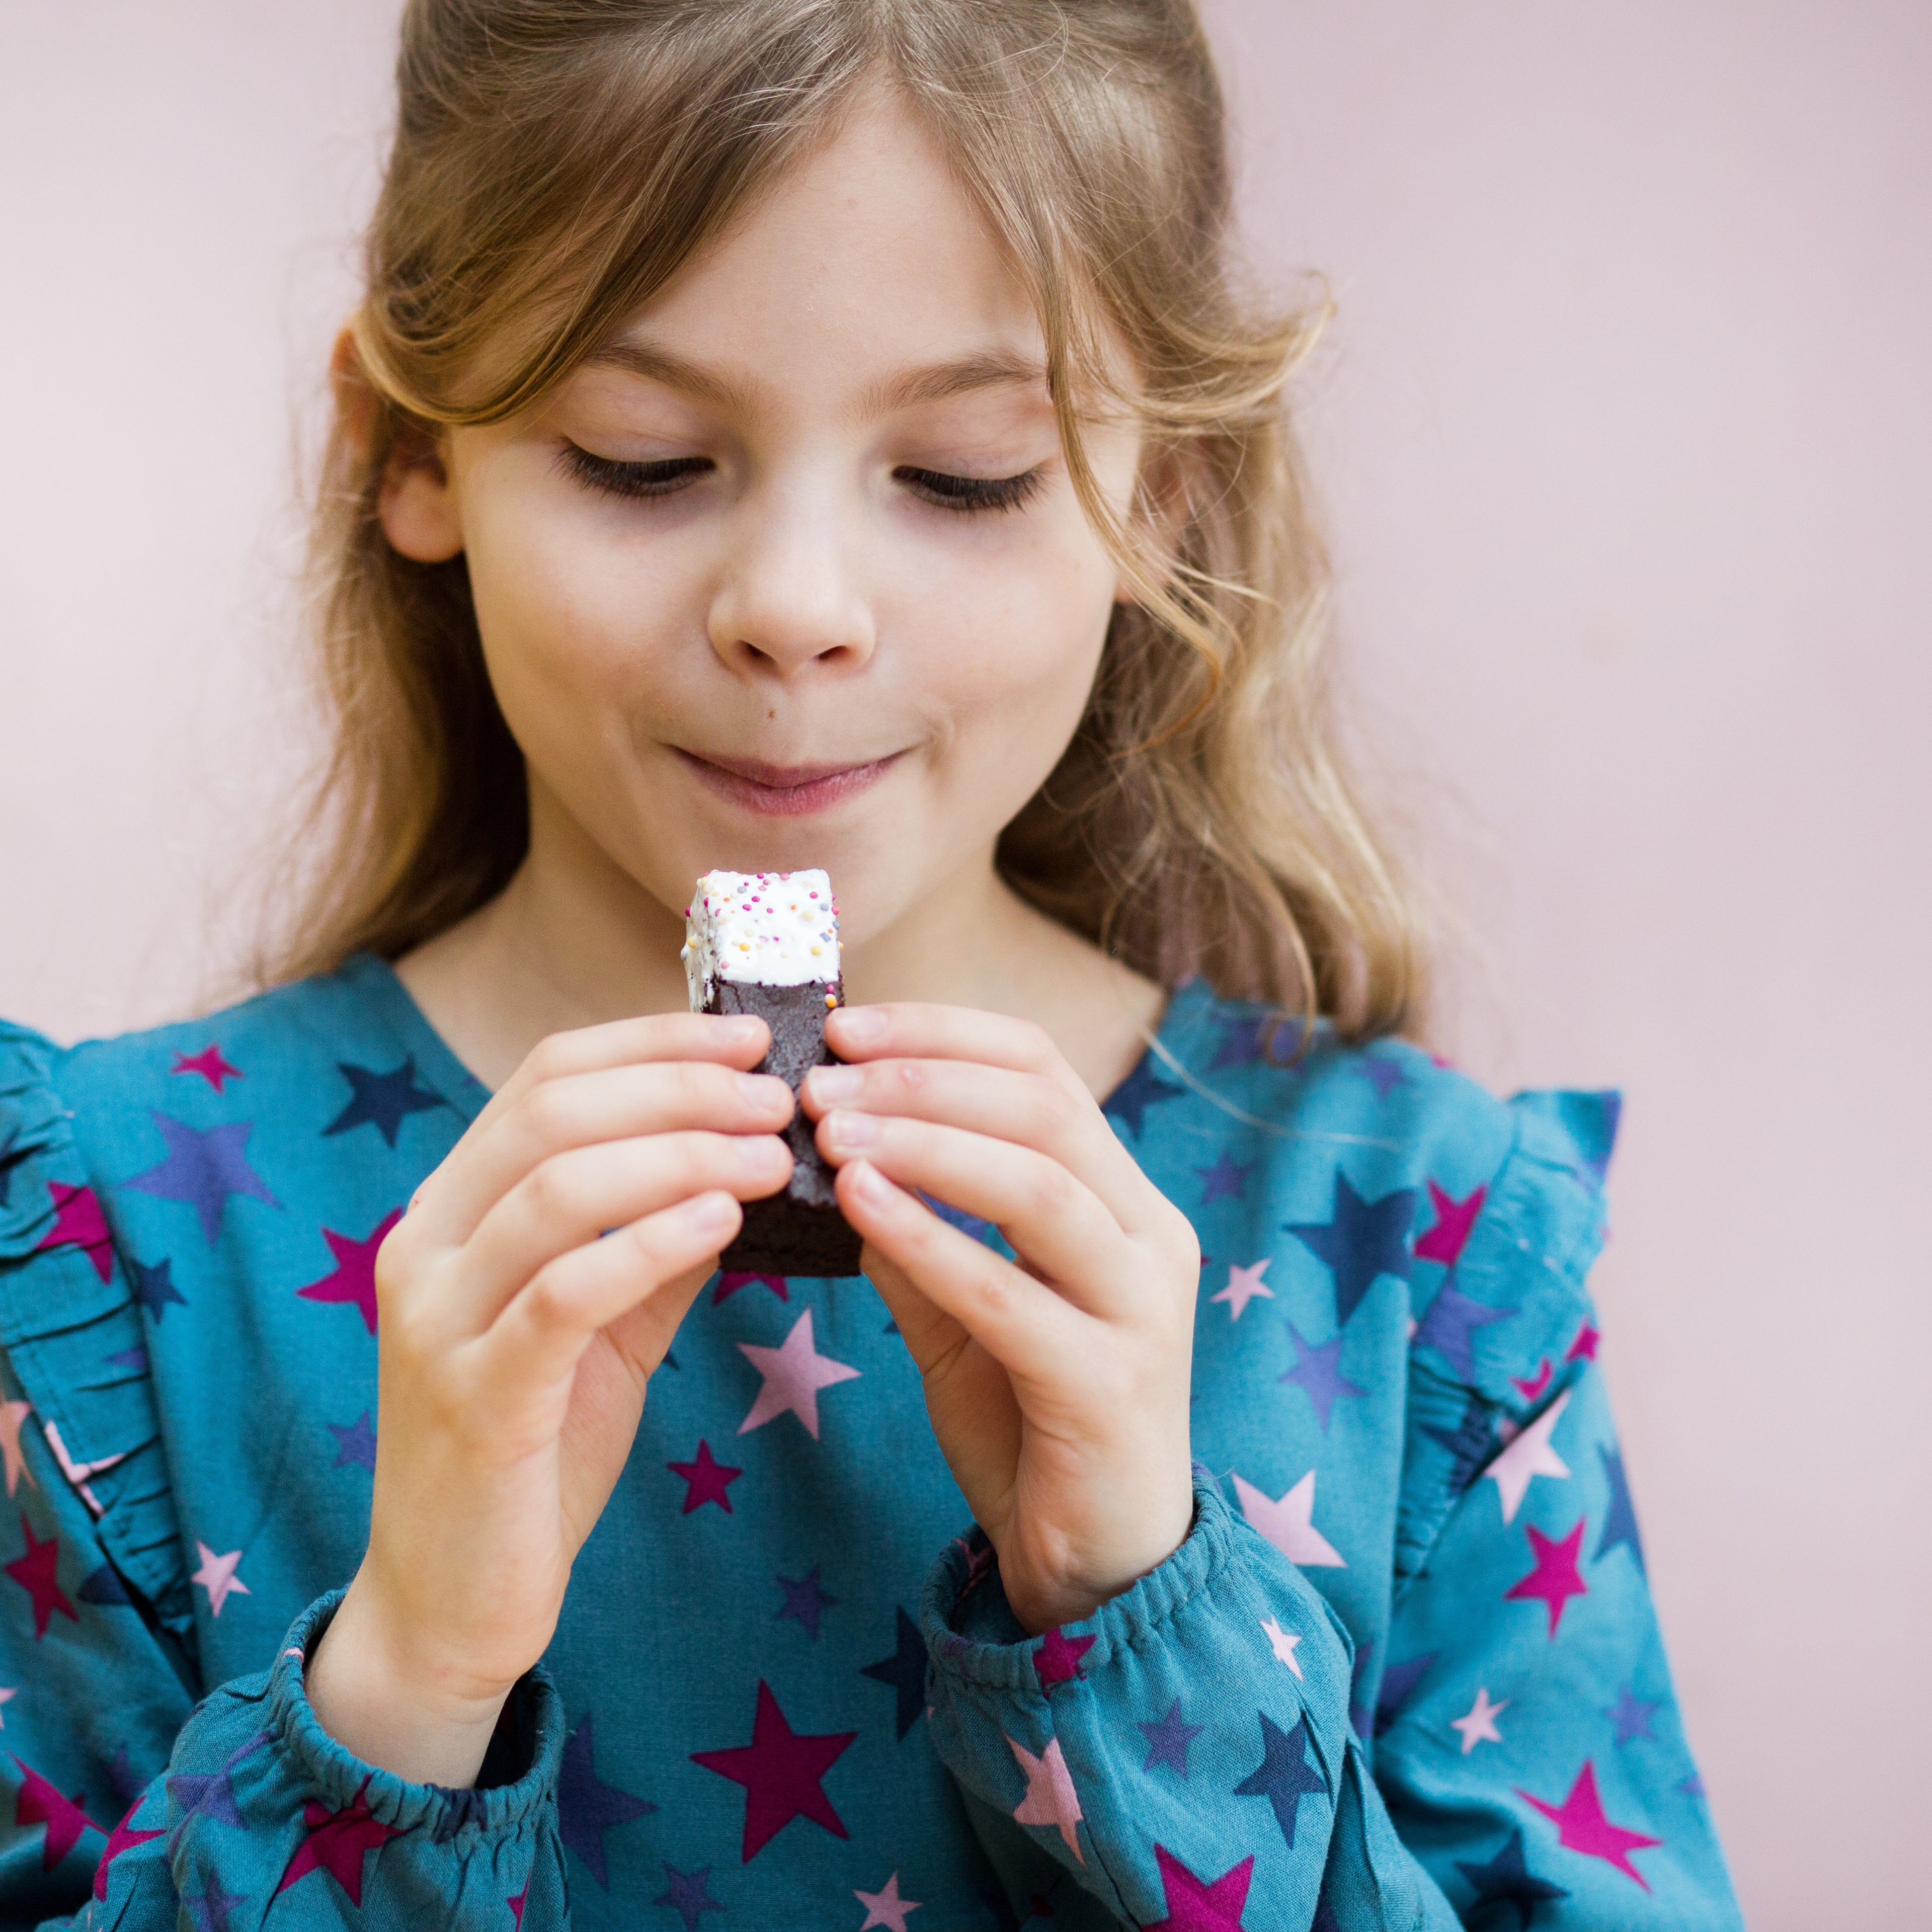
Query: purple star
{"points": [[804, 1601], [1227, 1176], [1361, 1241], [1058, 1659], [1631, 1714], [1318, 1374], [587, 1807], [688, 1896], [204, 1167], [1167, 1740], [1450, 1326], [1273, 1037], [1383, 1074], [355, 1442], [210, 1911]]}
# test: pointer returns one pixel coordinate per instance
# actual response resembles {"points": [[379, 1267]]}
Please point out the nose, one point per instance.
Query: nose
{"points": [[788, 600]]}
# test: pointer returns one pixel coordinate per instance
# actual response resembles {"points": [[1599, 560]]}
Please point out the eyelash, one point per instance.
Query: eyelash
{"points": [[961, 495]]}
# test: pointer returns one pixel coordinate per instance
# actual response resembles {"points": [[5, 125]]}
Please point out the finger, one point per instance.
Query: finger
{"points": [[574, 1196], [623, 1102], [1020, 1322], [1027, 1108], [926, 1031], [1049, 1215], [539, 1334]]}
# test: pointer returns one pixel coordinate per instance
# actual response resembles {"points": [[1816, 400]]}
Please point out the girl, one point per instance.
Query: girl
{"points": [[787, 434]]}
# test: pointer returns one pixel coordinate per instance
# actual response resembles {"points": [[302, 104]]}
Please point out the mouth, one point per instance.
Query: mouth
{"points": [[784, 791]]}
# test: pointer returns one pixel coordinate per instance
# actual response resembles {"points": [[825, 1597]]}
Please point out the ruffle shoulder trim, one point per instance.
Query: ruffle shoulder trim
{"points": [[72, 1331]]}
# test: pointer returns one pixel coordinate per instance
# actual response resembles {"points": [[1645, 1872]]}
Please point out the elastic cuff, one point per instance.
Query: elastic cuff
{"points": [[1120, 1624], [533, 1712]]}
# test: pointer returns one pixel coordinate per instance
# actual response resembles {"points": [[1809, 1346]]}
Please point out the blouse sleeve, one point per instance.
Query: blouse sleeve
{"points": [[1525, 1732], [226, 1797]]}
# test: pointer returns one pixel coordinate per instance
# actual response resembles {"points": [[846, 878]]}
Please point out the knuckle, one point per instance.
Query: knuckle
{"points": [[551, 1057], [552, 1189], [548, 1114]]}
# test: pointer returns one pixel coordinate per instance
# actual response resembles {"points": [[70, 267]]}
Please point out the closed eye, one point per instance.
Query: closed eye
{"points": [[615, 478], [967, 494]]}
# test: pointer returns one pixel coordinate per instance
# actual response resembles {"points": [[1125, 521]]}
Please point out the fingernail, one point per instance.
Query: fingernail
{"points": [[832, 1084], [852, 1130], [867, 1180], [860, 1023], [708, 1210], [761, 1089]]}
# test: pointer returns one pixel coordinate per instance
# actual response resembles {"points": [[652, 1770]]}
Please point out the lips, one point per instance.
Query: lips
{"points": [[785, 791]]}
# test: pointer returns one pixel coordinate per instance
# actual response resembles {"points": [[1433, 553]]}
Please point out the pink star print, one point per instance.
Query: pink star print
{"points": [[1244, 1284], [1058, 1659], [216, 1576], [885, 1907], [1581, 1825], [209, 1064], [1554, 1579], [780, 1770], [707, 1480], [731, 1280], [1454, 1220], [1193, 1905], [38, 1573], [124, 1839], [517, 1900], [79, 1223], [793, 1373], [1584, 1348], [338, 1842], [40, 1803], [355, 1276]]}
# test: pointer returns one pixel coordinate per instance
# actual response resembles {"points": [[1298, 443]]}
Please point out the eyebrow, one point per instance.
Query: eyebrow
{"points": [[936, 383]]}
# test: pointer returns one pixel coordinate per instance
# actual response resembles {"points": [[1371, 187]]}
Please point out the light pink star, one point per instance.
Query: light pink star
{"points": [[12, 1414], [1282, 1642], [793, 1373], [885, 1907], [1528, 1455], [1050, 1797], [1289, 1524], [1479, 1726], [1244, 1284], [7, 1694], [216, 1575]]}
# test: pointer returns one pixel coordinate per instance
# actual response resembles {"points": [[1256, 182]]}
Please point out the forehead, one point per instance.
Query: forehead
{"points": [[864, 268]]}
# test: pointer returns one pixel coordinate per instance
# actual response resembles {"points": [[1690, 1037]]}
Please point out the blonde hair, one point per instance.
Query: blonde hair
{"points": [[555, 161]]}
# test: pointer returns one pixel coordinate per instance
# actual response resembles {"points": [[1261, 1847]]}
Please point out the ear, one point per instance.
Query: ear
{"points": [[416, 504], [1162, 508]]}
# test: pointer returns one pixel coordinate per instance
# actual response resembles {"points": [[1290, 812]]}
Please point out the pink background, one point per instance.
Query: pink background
{"points": [[1623, 429]]}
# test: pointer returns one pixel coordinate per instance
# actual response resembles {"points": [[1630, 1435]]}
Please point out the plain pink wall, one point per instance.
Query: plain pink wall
{"points": [[1623, 431]]}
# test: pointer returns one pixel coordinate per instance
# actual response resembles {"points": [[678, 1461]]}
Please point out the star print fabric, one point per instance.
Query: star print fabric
{"points": [[1404, 1670]]}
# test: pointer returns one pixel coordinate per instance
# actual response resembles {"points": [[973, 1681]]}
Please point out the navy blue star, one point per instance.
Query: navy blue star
{"points": [[121, 1778], [1398, 1682], [804, 1601], [1167, 1740], [355, 1442], [688, 1896], [1361, 1240], [1227, 1176], [1273, 1037], [382, 1100], [1469, 1442], [1620, 1519], [1507, 1880], [1318, 1374], [1284, 1777], [904, 1670], [1005, 1918], [154, 1288], [957, 1217], [1360, 1716], [1141, 1089], [587, 1807], [104, 1586], [1324, 1919], [1631, 1714], [1450, 1325]]}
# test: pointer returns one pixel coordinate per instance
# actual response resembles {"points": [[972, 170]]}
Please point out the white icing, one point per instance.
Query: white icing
{"points": [[768, 928]]}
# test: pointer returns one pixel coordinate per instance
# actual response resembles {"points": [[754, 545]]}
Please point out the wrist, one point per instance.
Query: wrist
{"points": [[383, 1704], [1040, 1605]]}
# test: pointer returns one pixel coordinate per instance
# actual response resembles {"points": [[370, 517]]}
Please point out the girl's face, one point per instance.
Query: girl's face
{"points": [[793, 574]]}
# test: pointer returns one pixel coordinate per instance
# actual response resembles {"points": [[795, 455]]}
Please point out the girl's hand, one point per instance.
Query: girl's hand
{"points": [[1058, 1389], [516, 1339]]}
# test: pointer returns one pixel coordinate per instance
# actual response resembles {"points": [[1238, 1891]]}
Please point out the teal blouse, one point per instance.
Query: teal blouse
{"points": [[1404, 1670]]}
